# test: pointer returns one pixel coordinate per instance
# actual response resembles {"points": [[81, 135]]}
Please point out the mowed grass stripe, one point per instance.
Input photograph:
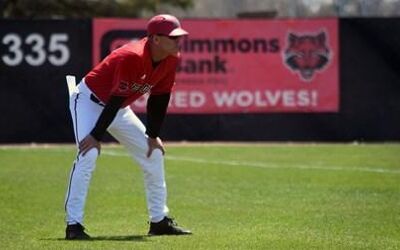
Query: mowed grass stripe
{"points": [[262, 165], [310, 166]]}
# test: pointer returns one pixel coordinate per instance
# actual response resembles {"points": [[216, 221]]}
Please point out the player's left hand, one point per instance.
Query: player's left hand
{"points": [[154, 143]]}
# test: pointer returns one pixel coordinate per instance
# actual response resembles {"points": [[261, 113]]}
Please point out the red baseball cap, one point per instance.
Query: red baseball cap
{"points": [[166, 25]]}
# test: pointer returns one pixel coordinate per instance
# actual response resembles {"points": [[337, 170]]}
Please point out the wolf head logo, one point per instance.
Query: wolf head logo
{"points": [[307, 54]]}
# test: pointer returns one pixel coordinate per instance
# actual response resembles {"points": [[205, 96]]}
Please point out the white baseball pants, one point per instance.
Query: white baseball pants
{"points": [[130, 132]]}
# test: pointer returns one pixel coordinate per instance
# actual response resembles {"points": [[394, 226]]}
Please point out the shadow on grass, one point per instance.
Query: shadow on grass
{"points": [[108, 238]]}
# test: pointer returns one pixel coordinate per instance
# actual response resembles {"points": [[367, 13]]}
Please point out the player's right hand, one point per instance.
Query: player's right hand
{"points": [[87, 144]]}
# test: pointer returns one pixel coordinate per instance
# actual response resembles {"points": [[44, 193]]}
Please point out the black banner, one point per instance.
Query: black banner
{"points": [[35, 56]]}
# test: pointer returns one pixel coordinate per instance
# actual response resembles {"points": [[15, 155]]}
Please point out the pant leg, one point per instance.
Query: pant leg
{"points": [[130, 131], [84, 114]]}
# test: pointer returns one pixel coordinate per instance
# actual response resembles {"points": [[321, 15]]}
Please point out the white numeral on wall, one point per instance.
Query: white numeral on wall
{"points": [[33, 49]]}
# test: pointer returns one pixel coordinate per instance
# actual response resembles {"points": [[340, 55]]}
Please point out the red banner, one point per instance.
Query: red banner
{"points": [[244, 66]]}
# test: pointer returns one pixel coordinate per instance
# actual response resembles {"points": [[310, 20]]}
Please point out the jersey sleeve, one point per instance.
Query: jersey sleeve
{"points": [[124, 73]]}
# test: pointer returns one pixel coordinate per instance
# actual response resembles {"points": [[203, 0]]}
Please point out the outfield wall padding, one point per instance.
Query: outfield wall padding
{"points": [[34, 103]]}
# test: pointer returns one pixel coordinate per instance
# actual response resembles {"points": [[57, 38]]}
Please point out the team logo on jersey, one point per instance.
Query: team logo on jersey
{"points": [[307, 54], [125, 87]]}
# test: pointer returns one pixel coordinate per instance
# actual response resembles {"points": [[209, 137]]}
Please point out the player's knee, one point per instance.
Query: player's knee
{"points": [[156, 156], [92, 153], [154, 164], [90, 157]]}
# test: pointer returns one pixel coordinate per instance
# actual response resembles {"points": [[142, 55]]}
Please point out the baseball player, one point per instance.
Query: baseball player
{"points": [[101, 102]]}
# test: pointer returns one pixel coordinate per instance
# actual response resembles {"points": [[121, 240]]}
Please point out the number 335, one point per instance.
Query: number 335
{"points": [[57, 51]]}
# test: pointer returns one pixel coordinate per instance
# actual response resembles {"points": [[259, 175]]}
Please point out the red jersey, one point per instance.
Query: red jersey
{"points": [[128, 72]]}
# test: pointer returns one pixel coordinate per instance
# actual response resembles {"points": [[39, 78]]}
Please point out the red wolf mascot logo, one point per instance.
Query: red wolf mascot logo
{"points": [[307, 54]]}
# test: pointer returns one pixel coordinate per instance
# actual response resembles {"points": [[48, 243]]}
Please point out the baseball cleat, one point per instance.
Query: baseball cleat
{"points": [[167, 226], [76, 232]]}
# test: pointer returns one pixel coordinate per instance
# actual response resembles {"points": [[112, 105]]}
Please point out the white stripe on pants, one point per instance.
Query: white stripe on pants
{"points": [[130, 132]]}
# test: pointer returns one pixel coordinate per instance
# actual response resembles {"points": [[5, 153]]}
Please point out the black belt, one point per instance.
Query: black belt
{"points": [[95, 100]]}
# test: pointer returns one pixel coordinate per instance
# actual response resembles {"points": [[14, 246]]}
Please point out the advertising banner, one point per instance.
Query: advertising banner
{"points": [[243, 66]]}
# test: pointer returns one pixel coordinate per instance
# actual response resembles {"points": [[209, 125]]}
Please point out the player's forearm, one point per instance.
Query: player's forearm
{"points": [[107, 116], [156, 109]]}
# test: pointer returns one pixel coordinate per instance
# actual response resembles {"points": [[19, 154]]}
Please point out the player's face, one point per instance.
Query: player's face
{"points": [[170, 44]]}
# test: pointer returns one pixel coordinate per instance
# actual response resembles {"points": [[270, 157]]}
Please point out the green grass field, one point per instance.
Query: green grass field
{"points": [[255, 196]]}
